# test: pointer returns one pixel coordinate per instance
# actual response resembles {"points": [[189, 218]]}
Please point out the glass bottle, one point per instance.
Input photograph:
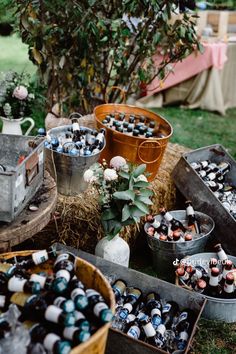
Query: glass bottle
{"points": [[98, 306], [130, 301], [119, 288], [192, 221]]}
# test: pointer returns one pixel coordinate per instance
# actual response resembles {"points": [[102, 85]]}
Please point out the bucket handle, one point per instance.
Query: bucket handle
{"points": [[74, 115], [122, 93], [158, 146]]}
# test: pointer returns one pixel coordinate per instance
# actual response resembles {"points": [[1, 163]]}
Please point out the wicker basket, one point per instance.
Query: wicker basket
{"points": [[135, 149], [92, 278]]}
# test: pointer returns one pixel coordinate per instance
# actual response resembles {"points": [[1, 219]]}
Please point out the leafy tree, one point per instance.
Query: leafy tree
{"points": [[83, 47]]}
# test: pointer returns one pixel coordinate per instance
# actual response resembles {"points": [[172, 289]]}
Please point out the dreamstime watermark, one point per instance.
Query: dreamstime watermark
{"points": [[196, 262]]}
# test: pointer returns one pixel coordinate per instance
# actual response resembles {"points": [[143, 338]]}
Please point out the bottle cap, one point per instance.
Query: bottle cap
{"points": [[81, 302], [69, 319], [163, 237], [188, 237], [125, 124], [106, 316], [142, 119], [152, 124], [59, 285], [201, 284], [228, 264], [215, 271], [148, 135], [63, 347], [41, 131], [135, 132], [35, 287], [180, 271], [68, 306], [218, 247], [230, 277], [83, 336]]}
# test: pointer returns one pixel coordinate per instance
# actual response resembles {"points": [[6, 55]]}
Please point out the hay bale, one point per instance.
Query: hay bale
{"points": [[79, 225]]}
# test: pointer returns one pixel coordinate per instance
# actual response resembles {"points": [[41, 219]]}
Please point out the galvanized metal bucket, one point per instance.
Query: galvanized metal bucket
{"points": [[165, 253], [68, 170], [216, 309]]}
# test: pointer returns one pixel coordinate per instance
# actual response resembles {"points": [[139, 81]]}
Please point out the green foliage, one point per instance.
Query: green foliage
{"points": [[84, 47], [123, 201]]}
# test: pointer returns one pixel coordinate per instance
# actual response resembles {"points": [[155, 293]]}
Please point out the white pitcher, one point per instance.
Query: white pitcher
{"points": [[13, 126]]}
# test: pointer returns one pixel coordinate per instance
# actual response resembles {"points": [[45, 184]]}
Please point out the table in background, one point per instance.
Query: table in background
{"points": [[206, 81]]}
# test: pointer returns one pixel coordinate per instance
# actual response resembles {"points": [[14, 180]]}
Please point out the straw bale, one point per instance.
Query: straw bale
{"points": [[78, 218]]}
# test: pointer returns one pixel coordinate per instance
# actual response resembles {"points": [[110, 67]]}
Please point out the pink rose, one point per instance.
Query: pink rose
{"points": [[117, 162], [20, 92]]}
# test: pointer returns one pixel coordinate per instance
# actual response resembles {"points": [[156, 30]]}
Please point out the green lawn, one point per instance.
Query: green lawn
{"points": [[14, 55]]}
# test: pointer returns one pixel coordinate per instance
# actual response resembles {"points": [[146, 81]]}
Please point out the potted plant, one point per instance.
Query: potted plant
{"points": [[15, 102], [124, 197]]}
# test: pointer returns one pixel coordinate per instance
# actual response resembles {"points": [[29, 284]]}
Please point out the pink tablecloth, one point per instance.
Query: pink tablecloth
{"points": [[214, 55]]}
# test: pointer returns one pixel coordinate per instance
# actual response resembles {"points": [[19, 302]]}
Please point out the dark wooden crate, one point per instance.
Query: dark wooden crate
{"points": [[192, 187], [119, 342]]}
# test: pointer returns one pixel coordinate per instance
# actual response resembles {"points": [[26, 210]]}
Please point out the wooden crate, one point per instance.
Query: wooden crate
{"points": [[221, 21]]}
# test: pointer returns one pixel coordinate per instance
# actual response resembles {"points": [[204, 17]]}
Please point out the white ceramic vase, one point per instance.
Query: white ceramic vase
{"points": [[13, 126], [115, 250]]}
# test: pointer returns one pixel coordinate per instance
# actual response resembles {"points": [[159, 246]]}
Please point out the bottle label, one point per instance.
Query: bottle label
{"points": [[168, 216], [78, 316], [229, 288], [52, 313], [149, 330], [183, 316], [40, 257], [63, 273], [99, 307], [222, 255], [68, 332], [50, 340], [131, 317], [77, 292], [38, 278], [134, 332], [21, 299], [141, 316], [185, 276], [128, 306], [16, 284], [183, 336], [75, 126], [91, 292], [155, 312], [214, 281], [2, 300], [211, 176], [190, 210], [59, 301], [161, 329], [166, 308], [62, 257]]}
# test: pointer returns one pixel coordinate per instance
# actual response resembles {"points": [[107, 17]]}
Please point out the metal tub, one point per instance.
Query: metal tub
{"points": [[68, 170], [193, 187], [164, 253], [216, 309], [119, 342], [20, 181]]}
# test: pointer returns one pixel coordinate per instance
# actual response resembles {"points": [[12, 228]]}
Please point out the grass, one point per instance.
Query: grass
{"points": [[192, 128], [14, 55]]}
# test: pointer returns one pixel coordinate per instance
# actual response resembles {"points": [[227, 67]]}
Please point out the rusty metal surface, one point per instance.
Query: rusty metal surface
{"points": [[119, 342], [19, 182], [204, 200]]}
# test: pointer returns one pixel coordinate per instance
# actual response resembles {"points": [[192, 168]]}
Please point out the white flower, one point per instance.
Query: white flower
{"points": [[110, 174], [89, 176], [20, 92], [31, 96], [117, 162], [141, 178]]}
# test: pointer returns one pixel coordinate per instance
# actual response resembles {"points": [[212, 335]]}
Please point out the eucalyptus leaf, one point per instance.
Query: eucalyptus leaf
{"points": [[124, 174], [146, 192], [144, 200], [136, 212], [141, 184], [125, 195], [125, 213], [142, 207], [109, 214], [139, 170]]}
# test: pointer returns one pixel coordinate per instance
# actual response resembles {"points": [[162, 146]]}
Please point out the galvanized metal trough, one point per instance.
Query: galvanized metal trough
{"points": [[119, 342], [22, 157], [164, 253], [204, 200]]}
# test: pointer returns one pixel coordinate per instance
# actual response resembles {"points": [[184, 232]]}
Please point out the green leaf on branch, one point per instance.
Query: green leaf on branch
{"points": [[156, 38], [125, 213], [142, 207], [109, 214], [124, 174], [144, 200], [141, 184], [200, 48], [139, 170], [136, 212], [146, 193], [125, 195]]}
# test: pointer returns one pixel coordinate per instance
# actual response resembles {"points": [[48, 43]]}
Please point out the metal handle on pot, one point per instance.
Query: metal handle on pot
{"points": [[122, 93], [75, 114], [159, 146]]}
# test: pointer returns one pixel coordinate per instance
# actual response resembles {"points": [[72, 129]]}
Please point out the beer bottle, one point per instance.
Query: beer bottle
{"points": [[200, 286], [221, 253], [130, 301], [212, 263], [175, 224], [81, 321], [227, 268], [153, 307], [185, 320], [11, 270], [177, 236], [134, 330], [44, 281], [129, 130], [16, 284], [182, 275], [188, 237], [213, 288], [149, 331], [100, 137], [192, 221], [98, 306], [76, 130], [183, 338], [228, 290], [64, 272], [119, 288], [76, 335], [36, 258], [50, 341], [142, 120], [204, 164], [66, 305], [196, 166], [77, 294], [169, 311]]}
